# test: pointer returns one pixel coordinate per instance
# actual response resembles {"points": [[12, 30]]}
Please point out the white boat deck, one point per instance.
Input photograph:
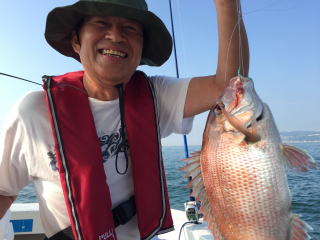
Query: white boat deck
{"points": [[27, 226], [189, 231]]}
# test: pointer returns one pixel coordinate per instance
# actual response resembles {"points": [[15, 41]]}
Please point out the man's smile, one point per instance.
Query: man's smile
{"points": [[113, 53]]}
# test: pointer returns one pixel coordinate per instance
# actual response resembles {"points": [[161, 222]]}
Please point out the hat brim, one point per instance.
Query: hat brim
{"points": [[62, 21]]}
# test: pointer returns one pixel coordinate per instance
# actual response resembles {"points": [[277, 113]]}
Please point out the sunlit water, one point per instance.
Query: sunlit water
{"points": [[304, 187]]}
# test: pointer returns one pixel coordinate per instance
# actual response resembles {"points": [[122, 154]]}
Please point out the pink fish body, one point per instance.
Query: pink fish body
{"points": [[240, 174]]}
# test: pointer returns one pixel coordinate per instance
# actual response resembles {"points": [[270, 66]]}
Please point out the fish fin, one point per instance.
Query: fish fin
{"points": [[217, 234], [208, 216], [196, 153], [196, 181], [298, 159], [193, 170], [194, 158], [200, 194], [192, 167], [299, 229]]}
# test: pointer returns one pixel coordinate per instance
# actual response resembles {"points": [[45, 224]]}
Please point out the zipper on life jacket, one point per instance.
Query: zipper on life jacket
{"points": [[162, 184]]}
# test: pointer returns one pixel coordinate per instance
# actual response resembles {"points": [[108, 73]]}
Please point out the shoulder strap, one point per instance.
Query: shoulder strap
{"points": [[79, 158], [145, 151]]}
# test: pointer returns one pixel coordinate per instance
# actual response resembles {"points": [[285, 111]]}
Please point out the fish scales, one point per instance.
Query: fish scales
{"points": [[246, 194], [244, 184]]}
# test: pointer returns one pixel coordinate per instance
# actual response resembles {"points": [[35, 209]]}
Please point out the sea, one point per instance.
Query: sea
{"points": [[304, 186]]}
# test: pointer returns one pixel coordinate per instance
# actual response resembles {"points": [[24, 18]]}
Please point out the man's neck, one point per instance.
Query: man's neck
{"points": [[99, 89]]}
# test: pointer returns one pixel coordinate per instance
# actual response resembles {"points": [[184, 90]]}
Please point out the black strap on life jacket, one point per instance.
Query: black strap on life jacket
{"points": [[122, 214]]}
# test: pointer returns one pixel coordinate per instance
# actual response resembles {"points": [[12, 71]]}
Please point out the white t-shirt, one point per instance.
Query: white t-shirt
{"points": [[27, 151]]}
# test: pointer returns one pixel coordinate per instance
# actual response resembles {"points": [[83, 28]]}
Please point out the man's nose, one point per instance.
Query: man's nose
{"points": [[115, 34]]}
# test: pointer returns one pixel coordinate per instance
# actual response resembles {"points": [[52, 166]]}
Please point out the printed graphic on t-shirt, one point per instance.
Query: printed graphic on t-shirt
{"points": [[53, 161], [111, 145]]}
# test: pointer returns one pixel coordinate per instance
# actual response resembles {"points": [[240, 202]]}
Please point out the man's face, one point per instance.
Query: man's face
{"points": [[110, 48]]}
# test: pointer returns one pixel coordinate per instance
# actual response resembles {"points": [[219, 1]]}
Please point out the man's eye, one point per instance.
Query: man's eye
{"points": [[131, 28], [101, 23]]}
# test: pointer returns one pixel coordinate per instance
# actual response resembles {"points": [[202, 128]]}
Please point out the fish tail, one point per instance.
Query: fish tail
{"points": [[299, 229]]}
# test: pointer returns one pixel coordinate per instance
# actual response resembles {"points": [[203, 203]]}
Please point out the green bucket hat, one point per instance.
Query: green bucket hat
{"points": [[62, 21]]}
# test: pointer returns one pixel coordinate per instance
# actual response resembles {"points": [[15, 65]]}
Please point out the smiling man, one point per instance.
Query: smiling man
{"points": [[90, 141], [110, 49]]}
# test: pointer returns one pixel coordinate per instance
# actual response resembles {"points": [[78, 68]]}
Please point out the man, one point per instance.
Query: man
{"points": [[54, 136]]}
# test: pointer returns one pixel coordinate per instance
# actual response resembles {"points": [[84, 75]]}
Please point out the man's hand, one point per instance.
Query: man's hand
{"points": [[233, 42], [233, 54]]}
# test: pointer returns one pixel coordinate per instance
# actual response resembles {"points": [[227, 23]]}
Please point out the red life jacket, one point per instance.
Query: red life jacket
{"points": [[80, 164]]}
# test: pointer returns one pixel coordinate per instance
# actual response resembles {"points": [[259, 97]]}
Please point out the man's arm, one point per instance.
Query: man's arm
{"points": [[5, 203], [204, 91]]}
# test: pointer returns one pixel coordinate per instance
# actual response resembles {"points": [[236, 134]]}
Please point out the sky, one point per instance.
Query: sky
{"points": [[284, 38]]}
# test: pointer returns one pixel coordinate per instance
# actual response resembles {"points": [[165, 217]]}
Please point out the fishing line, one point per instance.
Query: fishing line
{"points": [[23, 79], [263, 8], [276, 2], [238, 26], [240, 40], [229, 44]]}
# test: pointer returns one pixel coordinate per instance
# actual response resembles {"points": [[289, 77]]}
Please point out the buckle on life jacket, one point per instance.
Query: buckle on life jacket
{"points": [[121, 215], [124, 212]]}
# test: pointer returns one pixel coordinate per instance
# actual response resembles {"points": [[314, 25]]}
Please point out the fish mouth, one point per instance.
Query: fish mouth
{"points": [[242, 108], [113, 53], [233, 122], [233, 96]]}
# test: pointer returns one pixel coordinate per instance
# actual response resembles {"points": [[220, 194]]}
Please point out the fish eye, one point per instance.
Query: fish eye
{"points": [[259, 118], [218, 108]]}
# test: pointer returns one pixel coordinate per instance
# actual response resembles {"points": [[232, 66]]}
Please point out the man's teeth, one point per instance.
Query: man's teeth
{"points": [[113, 53]]}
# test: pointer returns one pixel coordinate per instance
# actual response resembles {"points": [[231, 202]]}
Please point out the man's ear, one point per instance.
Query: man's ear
{"points": [[75, 42]]}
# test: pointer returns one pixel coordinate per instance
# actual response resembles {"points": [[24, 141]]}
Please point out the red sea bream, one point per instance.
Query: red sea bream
{"points": [[240, 174]]}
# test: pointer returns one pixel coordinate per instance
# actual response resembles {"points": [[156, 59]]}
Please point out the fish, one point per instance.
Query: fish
{"points": [[240, 174]]}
